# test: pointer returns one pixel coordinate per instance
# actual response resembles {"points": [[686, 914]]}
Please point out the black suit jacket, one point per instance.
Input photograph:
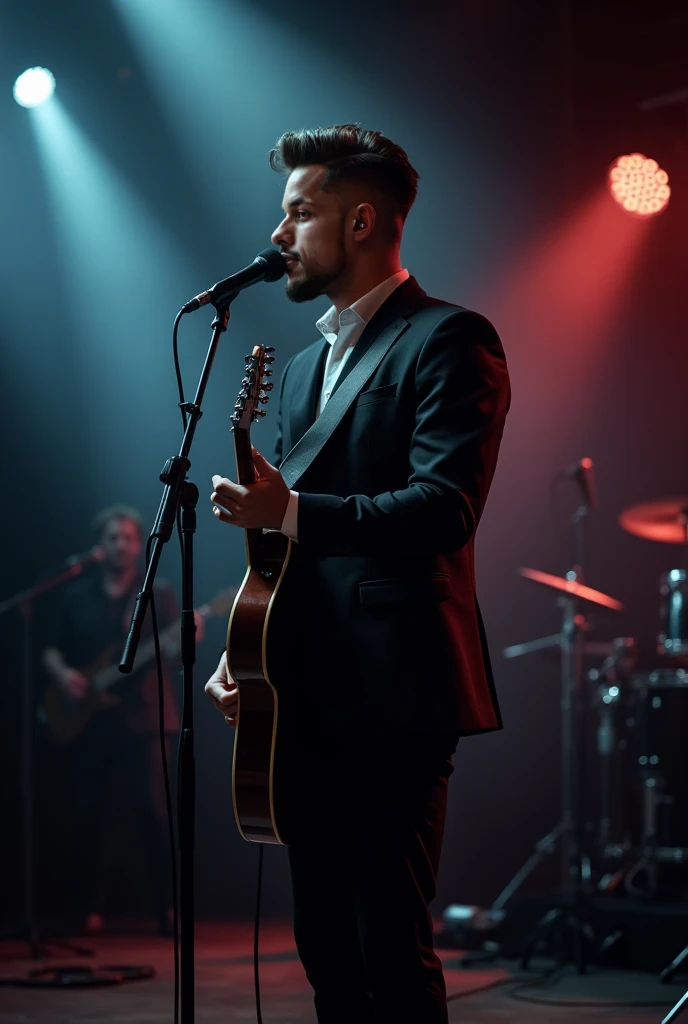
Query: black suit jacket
{"points": [[376, 628]]}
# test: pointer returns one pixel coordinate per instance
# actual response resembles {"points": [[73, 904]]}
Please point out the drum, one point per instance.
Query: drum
{"points": [[658, 727], [610, 801], [673, 638]]}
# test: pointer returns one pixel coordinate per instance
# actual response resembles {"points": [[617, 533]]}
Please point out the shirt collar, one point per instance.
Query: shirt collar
{"points": [[362, 310]]}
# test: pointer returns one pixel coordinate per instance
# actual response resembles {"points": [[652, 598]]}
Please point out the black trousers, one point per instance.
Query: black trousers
{"points": [[111, 769], [369, 820]]}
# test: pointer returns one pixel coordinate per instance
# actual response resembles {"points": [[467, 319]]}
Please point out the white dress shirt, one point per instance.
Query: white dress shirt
{"points": [[342, 331]]}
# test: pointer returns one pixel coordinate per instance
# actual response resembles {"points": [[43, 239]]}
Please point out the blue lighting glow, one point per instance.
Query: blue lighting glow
{"points": [[34, 87]]}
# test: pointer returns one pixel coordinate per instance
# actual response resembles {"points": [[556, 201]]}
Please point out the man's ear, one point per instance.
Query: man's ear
{"points": [[364, 221]]}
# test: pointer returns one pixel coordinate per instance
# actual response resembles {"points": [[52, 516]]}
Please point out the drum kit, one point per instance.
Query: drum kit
{"points": [[624, 795]]}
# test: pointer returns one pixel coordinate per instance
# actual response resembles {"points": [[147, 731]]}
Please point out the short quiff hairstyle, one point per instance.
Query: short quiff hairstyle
{"points": [[351, 153]]}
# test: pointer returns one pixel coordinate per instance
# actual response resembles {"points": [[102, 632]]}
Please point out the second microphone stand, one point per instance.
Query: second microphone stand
{"points": [[27, 930]]}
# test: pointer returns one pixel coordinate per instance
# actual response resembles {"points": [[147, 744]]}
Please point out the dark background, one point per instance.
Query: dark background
{"points": [[146, 179]]}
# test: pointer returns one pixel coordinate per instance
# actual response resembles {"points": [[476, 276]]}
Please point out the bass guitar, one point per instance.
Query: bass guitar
{"points": [[67, 718], [258, 708]]}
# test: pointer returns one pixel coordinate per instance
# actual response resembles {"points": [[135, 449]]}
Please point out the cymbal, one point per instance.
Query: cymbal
{"points": [[573, 588], [665, 520]]}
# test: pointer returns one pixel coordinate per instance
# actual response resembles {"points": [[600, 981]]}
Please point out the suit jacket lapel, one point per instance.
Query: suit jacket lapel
{"points": [[401, 303], [304, 403]]}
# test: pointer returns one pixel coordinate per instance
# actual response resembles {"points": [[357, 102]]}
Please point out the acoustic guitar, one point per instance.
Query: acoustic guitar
{"points": [[67, 718], [258, 707]]}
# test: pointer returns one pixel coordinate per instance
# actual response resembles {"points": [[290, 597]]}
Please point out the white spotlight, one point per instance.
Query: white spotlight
{"points": [[34, 87]]}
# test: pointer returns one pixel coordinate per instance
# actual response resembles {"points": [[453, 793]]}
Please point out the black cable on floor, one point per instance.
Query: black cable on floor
{"points": [[550, 979], [593, 1004], [499, 983]]}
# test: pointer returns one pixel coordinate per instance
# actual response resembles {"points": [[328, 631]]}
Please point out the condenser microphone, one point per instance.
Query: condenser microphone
{"points": [[583, 473], [268, 265]]}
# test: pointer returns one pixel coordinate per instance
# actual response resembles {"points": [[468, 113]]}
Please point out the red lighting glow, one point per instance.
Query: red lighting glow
{"points": [[639, 185]]}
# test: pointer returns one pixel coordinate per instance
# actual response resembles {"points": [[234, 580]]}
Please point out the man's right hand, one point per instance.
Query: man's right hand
{"points": [[223, 691], [73, 683]]}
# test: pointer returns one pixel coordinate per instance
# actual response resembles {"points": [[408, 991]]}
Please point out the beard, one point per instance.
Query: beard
{"points": [[310, 286], [313, 283]]}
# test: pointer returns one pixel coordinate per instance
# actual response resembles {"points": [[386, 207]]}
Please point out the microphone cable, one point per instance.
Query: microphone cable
{"points": [[177, 365], [256, 936], [168, 795], [259, 881]]}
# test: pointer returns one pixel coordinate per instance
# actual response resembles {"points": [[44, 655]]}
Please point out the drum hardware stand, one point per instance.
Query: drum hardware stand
{"points": [[609, 679], [652, 783], [666, 976], [566, 925], [677, 1010], [39, 942]]}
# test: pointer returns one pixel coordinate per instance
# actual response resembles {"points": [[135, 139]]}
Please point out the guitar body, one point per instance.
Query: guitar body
{"points": [[67, 718], [257, 723]]}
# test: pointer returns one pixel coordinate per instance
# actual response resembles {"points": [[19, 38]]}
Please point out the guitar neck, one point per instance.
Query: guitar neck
{"points": [[246, 471], [246, 474]]}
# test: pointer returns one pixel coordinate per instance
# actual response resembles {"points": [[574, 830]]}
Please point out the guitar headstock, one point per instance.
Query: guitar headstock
{"points": [[255, 389]]}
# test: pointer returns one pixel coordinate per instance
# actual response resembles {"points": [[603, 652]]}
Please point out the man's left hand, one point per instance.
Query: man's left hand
{"points": [[257, 506]]}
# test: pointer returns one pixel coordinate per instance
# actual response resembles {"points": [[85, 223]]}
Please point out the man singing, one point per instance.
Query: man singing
{"points": [[376, 644]]}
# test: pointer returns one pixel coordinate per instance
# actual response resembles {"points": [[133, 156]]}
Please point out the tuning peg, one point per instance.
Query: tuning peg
{"points": [[267, 373], [270, 348], [269, 359], [260, 412], [264, 401], [267, 387]]}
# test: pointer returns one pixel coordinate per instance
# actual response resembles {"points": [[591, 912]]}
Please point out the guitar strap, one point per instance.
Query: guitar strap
{"points": [[302, 455]]}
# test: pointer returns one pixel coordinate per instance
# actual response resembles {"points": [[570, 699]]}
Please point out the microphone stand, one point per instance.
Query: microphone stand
{"points": [[178, 491], [28, 931]]}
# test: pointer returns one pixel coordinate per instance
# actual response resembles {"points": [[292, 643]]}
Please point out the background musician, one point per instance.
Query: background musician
{"points": [[116, 760]]}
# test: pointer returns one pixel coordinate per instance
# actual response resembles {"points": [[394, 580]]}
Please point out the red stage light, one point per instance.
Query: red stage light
{"points": [[639, 185]]}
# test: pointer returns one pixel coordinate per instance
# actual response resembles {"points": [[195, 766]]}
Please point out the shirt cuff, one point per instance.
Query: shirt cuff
{"points": [[290, 527]]}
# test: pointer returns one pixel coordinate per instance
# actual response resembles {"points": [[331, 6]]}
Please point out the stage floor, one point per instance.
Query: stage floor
{"points": [[224, 986]]}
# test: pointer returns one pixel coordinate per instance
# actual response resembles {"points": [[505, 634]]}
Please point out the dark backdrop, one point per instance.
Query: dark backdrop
{"points": [[148, 180]]}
